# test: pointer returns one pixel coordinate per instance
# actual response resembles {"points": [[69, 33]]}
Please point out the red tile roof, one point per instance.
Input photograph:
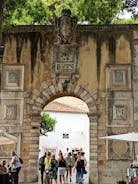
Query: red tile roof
{"points": [[59, 107]]}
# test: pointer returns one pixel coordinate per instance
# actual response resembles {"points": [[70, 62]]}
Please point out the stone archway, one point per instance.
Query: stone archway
{"points": [[36, 103], [97, 64]]}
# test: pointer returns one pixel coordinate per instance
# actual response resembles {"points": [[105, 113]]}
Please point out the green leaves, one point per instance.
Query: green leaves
{"points": [[26, 12], [47, 123], [100, 11]]}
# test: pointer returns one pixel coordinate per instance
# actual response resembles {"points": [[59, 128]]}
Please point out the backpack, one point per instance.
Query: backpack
{"points": [[21, 160], [42, 161]]}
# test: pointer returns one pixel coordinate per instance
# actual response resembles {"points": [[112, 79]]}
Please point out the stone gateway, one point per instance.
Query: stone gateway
{"points": [[98, 64]]}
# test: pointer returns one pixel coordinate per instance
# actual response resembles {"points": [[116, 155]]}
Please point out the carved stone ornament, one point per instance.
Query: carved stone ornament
{"points": [[118, 150], [119, 112], [65, 64], [13, 77], [118, 77], [65, 59], [65, 26], [11, 112]]}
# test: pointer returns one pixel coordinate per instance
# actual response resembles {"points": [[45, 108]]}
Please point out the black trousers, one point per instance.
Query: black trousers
{"points": [[16, 175], [42, 175]]}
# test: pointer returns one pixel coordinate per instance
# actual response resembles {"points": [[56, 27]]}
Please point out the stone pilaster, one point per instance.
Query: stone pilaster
{"points": [[93, 170], [34, 147], [135, 81]]}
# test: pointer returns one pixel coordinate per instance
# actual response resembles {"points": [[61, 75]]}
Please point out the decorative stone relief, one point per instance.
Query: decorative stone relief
{"points": [[65, 59], [11, 112], [118, 150], [65, 26], [118, 77], [13, 77], [65, 51], [65, 64], [119, 112]]}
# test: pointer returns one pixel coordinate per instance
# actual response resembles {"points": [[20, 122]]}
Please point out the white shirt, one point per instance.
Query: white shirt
{"points": [[15, 161]]}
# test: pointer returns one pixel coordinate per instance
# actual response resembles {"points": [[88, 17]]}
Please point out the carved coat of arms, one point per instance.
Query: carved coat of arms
{"points": [[65, 26]]}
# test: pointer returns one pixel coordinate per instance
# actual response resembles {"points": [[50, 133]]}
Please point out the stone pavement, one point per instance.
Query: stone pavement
{"points": [[86, 176]]}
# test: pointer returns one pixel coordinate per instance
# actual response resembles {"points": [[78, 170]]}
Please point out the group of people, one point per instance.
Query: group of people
{"points": [[13, 167], [62, 166], [3, 168]]}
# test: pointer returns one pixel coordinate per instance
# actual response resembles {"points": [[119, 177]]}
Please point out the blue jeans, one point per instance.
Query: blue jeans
{"points": [[79, 176]]}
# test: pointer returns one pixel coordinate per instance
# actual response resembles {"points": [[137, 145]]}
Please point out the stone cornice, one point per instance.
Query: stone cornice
{"points": [[80, 28], [111, 27]]}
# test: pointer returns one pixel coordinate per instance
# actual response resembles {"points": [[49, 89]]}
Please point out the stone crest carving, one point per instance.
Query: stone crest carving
{"points": [[65, 26], [65, 51], [65, 64], [65, 59]]}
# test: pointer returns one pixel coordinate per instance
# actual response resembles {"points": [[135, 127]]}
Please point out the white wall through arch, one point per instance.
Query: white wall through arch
{"points": [[72, 120]]}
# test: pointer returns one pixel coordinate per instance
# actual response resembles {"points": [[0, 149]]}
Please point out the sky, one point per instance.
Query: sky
{"points": [[125, 15]]}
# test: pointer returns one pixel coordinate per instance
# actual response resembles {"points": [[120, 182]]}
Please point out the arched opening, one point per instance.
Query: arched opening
{"points": [[36, 104], [71, 130]]}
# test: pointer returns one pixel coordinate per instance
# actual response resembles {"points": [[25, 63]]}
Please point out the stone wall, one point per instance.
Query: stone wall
{"points": [[97, 64]]}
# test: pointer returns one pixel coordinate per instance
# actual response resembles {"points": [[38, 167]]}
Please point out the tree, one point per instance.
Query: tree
{"points": [[25, 12], [47, 123], [17, 12], [100, 11]]}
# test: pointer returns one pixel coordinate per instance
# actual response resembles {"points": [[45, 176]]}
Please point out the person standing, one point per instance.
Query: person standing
{"points": [[61, 168], [42, 166], [53, 169], [79, 165], [66, 153], [15, 161], [69, 163], [84, 163], [47, 164]]}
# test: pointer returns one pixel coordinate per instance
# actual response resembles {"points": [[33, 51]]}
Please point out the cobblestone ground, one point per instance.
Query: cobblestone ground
{"points": [[86, 176]]}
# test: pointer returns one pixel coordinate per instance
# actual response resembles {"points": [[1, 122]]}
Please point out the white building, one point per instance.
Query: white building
{"points": [[71, 130]]}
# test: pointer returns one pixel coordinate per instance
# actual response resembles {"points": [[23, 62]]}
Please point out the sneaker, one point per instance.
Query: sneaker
{"points": [[70, 180]]}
